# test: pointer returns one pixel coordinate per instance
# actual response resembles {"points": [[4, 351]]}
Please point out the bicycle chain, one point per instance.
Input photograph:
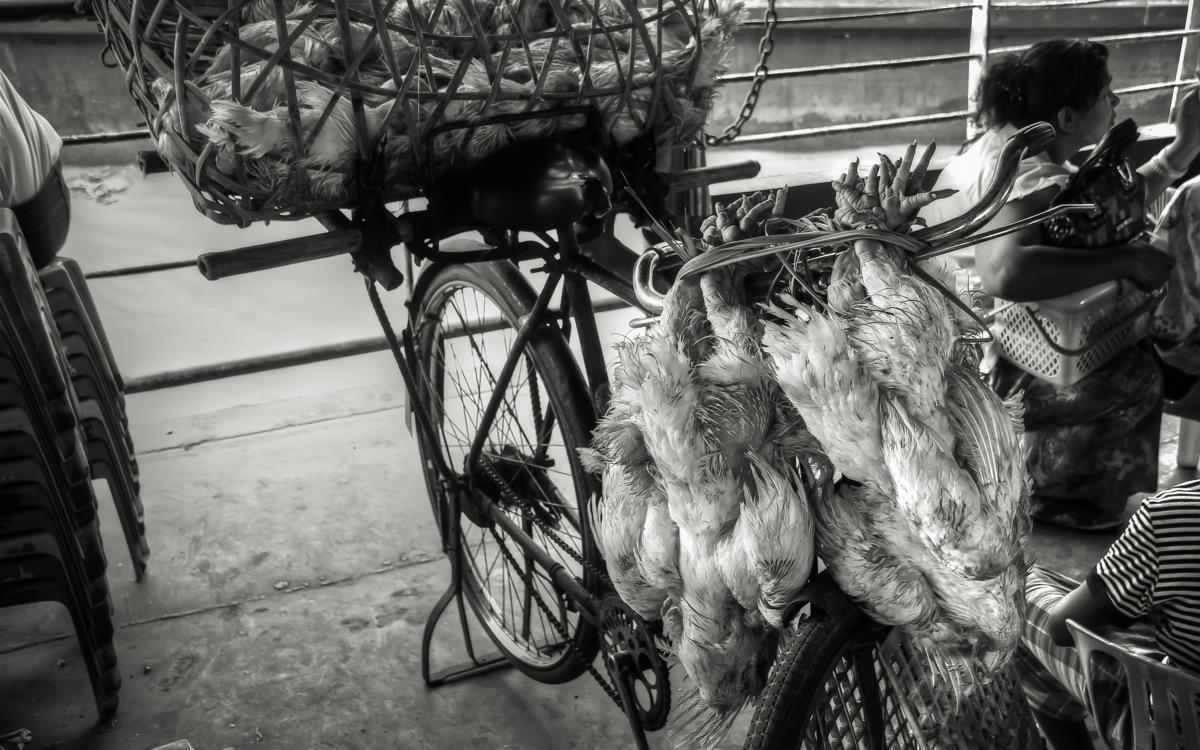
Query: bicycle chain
{"points": [[560, 627], [535, 396], [508, 496], [766, 45]]}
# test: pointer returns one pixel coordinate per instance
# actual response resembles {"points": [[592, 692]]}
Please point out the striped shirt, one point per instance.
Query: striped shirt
{"points": [[1154, 567]]}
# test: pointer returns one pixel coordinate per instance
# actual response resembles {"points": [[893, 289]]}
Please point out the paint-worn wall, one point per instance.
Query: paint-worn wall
{"points": [[57, 67]]}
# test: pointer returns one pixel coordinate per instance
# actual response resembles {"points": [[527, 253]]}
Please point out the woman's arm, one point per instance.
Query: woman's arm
{"points": [[1094, 611], [1172, 162], [1176, 159], [1020, 268]]}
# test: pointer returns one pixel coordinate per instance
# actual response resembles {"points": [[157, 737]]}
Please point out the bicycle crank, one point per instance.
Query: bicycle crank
{"points": [[635, 663]]}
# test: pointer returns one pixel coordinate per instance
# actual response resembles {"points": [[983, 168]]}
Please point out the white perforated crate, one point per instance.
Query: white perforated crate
{"points": [[1061, 340]]}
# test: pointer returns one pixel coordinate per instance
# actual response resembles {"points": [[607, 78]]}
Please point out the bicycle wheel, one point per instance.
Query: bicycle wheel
{"points": [[816, 696], [467, 317]]}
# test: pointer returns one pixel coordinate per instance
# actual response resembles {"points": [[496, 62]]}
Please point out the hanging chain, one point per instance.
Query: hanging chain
{"points": [[766, 46]]}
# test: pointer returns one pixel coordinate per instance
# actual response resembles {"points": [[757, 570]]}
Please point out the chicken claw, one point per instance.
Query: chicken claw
{"points": [[857, 200], [746, 217], [902, 193], [891, 195]]}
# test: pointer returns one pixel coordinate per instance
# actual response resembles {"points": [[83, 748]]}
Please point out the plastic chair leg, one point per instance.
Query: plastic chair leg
{"points": [[1189, 444]]}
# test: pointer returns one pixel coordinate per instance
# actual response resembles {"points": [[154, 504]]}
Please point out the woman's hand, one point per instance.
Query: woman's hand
{"points": [[1149, 268]]}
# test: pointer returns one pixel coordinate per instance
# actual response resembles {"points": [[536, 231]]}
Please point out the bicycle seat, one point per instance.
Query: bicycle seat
{"points": [[539, 186]]}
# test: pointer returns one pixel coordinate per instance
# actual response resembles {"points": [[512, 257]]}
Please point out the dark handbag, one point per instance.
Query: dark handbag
{"points": [[1108, 180]]}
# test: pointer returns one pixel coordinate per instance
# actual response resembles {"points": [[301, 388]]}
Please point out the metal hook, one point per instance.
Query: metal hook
{"points": [[650, 299]]}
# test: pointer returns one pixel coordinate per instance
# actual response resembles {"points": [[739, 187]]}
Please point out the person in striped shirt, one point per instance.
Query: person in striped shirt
{"points": [[1145, 591]]}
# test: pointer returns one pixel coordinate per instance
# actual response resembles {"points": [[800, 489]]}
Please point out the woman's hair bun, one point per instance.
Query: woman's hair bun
{"points": [[1033, 85]]}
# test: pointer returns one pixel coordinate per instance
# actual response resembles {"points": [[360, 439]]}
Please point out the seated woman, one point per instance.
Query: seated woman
{"points": [[1145, 591], [31, 181], [1090, 446], [1175, 325]]}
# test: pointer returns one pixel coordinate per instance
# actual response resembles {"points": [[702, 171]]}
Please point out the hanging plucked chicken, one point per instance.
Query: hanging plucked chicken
{"points": [[726, 431]]}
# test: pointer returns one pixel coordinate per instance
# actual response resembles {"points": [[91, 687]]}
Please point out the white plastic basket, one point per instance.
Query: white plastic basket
{"points": [[1061, 340]]}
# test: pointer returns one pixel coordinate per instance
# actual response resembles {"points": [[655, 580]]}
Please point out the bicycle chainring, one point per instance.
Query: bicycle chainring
{"points": [[622, 629]]}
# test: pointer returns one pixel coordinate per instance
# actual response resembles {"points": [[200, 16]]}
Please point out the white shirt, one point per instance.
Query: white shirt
{"points": [[29, 147], [970, 173]]}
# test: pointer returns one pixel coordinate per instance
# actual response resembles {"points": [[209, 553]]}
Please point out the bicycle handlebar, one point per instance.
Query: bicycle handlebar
{"points": [[223, 263], [1028, 141], [690, 179]]}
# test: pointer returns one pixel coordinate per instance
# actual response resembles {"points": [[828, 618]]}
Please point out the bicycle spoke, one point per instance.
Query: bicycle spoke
{"points": [[526, 467]]}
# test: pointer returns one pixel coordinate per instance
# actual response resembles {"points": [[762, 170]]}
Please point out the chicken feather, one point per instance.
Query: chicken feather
{"points": [[822, 377], [776, 537], [941, 499], [866, 564]]}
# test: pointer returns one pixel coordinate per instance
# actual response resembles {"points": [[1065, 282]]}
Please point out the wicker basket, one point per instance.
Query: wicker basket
{"points": [[919, 712], [1064, 339], [277, 109]]}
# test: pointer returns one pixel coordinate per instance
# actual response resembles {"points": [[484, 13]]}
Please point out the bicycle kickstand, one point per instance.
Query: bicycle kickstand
{"points": [[623, 667], [454, 593]]}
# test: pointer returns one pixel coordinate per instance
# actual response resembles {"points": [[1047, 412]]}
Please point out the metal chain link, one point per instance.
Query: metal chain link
{"points": [[510, 497], [766, 45], [535, 397], [560, 627]]}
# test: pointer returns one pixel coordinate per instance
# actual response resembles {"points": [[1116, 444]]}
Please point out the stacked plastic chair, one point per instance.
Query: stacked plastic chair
{"points": [[50, 545], [1164, 701], [100, 390]]}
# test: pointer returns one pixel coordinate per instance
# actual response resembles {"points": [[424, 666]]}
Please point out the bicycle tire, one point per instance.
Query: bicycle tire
{"points": [[554, 370], [785, 711]]}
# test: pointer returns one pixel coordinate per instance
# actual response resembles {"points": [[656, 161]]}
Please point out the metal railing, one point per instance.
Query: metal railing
{"points": [[976, 56]]}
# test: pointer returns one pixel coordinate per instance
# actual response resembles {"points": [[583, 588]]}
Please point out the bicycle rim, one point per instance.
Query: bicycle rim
{"points": [[468, 323]]}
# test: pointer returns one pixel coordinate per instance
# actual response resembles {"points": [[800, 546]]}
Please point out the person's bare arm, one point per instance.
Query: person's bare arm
{"points": [[1182, 151], [1020, 268], [1093, 610]]}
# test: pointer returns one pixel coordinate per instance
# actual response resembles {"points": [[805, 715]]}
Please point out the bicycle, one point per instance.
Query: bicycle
{"points": [[505, 480]]}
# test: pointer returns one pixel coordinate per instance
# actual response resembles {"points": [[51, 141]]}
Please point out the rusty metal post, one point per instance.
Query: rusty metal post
{"points": [[1186, 45], [693, 202], [981, 22]]}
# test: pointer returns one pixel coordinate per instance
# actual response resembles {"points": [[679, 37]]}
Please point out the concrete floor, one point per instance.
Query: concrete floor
{"points": [[294, 563], [294, 556]]}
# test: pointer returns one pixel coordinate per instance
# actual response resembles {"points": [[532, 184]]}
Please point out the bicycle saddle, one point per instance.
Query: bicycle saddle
{"points": [[540, 185]]}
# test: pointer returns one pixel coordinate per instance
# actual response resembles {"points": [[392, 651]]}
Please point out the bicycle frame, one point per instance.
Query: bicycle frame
{"points": [[568, 267]]}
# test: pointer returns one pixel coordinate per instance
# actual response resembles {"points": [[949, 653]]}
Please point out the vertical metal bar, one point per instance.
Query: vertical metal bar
{"points": [[981, 24], [1185, 47], [696, 206], [584, 315]]}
